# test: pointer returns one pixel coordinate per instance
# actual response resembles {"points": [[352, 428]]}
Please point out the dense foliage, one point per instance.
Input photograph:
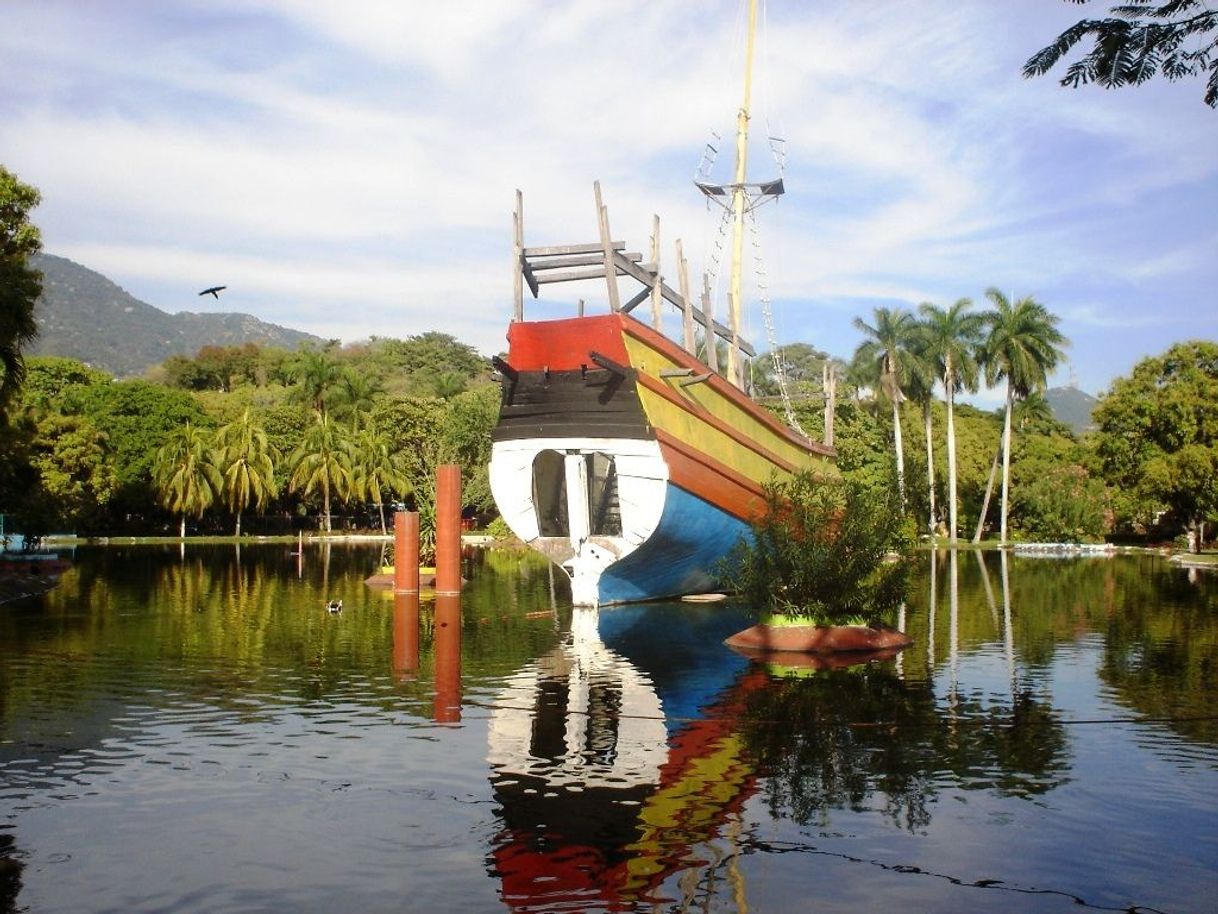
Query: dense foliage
{"points": [[1157, 443], [20, 284], [819, 551]]}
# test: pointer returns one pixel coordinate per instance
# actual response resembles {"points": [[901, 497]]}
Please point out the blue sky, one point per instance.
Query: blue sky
{"points": [[349, 169]]}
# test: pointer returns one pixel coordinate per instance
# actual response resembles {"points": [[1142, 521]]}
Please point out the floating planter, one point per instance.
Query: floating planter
{"points": [[785, 634]]}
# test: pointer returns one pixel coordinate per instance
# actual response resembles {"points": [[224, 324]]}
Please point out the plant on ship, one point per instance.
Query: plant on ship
{"points": [[823, 553]]}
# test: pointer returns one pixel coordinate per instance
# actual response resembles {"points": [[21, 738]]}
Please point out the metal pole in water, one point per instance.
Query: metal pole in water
{"points": [[406, 552], [448, 529]]}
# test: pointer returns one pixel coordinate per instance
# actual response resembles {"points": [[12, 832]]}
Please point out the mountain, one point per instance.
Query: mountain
{"points": [[1073, 407], [85, 316]]}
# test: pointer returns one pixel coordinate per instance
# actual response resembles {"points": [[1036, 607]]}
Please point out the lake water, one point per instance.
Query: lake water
{"points": [[194, 731]]}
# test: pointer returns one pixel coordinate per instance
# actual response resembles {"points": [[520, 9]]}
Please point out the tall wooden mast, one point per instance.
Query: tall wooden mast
{"points": [[735, 373]]}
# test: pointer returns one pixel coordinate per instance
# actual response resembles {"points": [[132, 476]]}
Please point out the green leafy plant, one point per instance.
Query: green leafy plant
{"points": [[823, 552]]}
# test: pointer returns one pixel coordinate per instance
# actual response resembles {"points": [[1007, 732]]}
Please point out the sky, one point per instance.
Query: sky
{"points": [[349, 169]]}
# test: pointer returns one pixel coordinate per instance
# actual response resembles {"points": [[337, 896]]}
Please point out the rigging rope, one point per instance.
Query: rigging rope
{"points": [[763, 293]]}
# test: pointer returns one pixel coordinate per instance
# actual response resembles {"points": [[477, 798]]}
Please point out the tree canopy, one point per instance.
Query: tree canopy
{"points": [[1158, 436], [20, 285], [1140, 40]]}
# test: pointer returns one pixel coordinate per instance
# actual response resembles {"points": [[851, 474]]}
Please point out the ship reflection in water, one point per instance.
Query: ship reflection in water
{"points": [[622, 762], [600, 801]]}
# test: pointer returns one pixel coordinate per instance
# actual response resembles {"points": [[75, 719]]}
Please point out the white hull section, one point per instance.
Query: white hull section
{"points": [[586, 503]]}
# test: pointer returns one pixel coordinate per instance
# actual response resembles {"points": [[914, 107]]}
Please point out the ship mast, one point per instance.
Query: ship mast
{"points": [[739, 199], [735, 371]]}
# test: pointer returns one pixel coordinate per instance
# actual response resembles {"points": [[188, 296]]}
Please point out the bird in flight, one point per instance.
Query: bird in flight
{"points": [[214, 291]]}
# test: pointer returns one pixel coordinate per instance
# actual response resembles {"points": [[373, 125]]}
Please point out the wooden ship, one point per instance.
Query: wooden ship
{"points": [[632, 463]]}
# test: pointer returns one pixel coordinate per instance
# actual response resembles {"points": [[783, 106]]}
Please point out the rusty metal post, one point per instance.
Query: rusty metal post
{"points": [[446, 706], [448, 528], [406, 552]]}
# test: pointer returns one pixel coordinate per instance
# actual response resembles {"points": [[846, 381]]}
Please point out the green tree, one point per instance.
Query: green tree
{"points": [[20, 286], [887, 359], [247, 465], [1157, 438], [951, 338], [185, 474], [376, 470], [322, 463], [1140, 40], [317, 373], [1022, 348]]}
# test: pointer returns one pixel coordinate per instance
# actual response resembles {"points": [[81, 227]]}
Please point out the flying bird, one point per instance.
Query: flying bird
{"points": [[214, 291]]}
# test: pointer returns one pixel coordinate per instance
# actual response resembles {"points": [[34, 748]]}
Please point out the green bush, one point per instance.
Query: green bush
{"points": [[822, 551]]}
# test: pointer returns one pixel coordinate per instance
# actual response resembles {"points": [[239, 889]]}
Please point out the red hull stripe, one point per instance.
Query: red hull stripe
{"points": [[711, 480]]}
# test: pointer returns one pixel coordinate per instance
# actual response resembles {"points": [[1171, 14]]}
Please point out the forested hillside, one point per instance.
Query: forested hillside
{"points": [[83, 315]]}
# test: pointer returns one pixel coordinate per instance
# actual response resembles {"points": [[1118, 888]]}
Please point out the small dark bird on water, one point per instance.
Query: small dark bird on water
{"points": [[335, 606], [214, 291]]}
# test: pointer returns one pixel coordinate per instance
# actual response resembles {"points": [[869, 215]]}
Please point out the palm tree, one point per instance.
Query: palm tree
{"points": [[323, 461], [888, 354], [355, 394], [247, 465], [185, 474], [921, 389], [951, 337], [375, 471], [317, 373], [1023, 347], [1032, 408]]}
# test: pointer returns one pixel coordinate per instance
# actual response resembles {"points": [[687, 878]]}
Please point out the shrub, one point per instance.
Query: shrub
{"points": [[822, 552]]}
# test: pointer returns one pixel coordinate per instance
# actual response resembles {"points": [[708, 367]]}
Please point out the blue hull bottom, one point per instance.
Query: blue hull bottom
{"points": [[682, 555]]}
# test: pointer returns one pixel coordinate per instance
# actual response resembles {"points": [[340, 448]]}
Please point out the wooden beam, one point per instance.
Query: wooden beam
{"points": [[708, 321], [554, 249], [518, 258], [656, 294], [553, 276], [577, 260], [638, 299], [527, 272], [602, 215], [687, 305]]}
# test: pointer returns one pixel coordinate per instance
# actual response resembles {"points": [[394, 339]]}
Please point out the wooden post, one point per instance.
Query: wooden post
{"points": [[687, 306], [602, 216], [448, 528], [655, 286], [518, 257], [406, 635], [708, 319], [406, 552], [446, 705]]}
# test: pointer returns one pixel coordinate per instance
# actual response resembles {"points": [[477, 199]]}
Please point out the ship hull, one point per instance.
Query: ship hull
{"points": [[622, 458]]}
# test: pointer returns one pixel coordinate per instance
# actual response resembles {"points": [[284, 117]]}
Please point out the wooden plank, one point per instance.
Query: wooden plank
{"points": [[517, 258], [687, 305], [554, 276], [578, 260], [656, 295], [556, 249], [638, 299], [527, 272], [708, 321], [602, 215], [625, 266]]}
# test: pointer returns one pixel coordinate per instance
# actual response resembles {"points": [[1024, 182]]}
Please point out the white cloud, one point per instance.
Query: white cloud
{"points": [[366, 154]]}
